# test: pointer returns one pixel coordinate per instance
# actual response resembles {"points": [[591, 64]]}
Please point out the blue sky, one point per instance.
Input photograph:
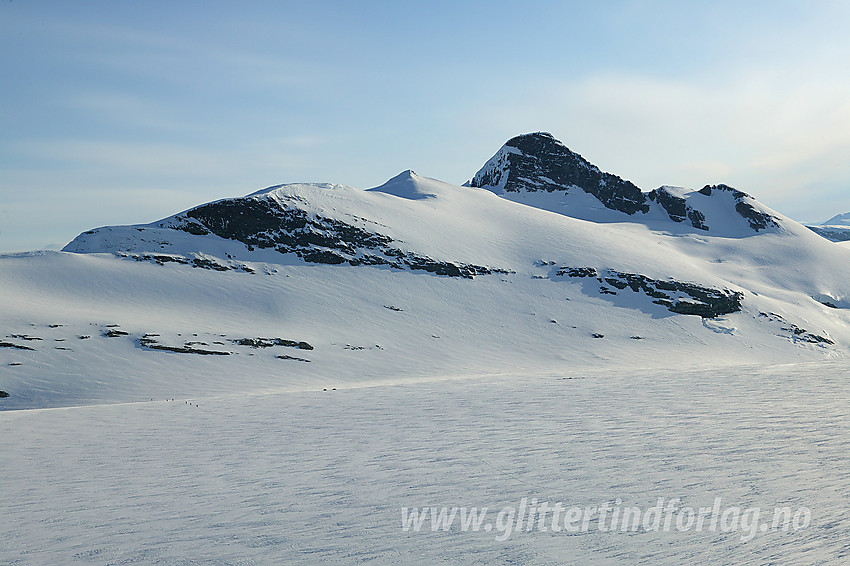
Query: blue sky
{"points": [[127, 112]]}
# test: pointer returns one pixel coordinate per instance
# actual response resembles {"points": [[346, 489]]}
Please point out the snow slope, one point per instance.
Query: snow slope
{"points": [[320, 477], [415, 279], [272, 378]]}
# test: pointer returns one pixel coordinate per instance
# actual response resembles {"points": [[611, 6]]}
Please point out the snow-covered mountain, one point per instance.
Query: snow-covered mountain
{"points": [[541, 264], [308, 360], [538, 170], [838, 220], [836, 229]]}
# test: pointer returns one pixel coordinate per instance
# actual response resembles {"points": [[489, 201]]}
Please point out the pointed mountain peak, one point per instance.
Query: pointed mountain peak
{"points": [[539, 142], [838, 220], [541, 137], [404, 176], [539, 162], [539, 170], [407, 184]]}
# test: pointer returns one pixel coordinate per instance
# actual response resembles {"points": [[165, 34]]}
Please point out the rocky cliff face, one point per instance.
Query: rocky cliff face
{"points": [[539, 162], [279, 223], [757, 219], [678, 208]]}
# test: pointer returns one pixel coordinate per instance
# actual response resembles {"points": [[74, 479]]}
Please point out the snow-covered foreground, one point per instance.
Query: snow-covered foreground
{"points": [[322, 476]]}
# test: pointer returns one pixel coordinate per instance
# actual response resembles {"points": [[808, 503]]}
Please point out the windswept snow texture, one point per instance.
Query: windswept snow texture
{"points": [[320, 477]]}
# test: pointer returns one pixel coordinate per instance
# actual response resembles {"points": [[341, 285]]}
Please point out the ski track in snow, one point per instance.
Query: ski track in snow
{"points": [[321, 476]]}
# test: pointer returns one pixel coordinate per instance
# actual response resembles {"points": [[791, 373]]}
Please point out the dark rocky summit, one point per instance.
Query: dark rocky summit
{"points": [[539, 162]]}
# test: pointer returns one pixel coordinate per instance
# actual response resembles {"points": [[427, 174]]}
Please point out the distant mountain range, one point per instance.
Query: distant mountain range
{"points": [[836, 229], [838, 220], [542, 262]]}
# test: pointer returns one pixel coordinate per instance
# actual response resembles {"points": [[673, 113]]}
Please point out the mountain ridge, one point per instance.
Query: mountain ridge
{"points": [[539, 163], [416, 278]]}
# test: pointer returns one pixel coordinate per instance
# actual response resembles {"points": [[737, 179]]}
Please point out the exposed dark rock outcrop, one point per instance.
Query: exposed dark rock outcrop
{"points": [[265, 222], [260, 223], [757, 219], [294, 358], [269, 342], [677, 296], [4, 344], [26, 337], [539, 162], [831, 234], [577, 272], [677, 208], [794, 332], [115, 333], [201, 262], [148, 342]]}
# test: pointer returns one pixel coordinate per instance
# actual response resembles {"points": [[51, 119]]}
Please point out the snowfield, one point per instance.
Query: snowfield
{"points": [[282, 377], [321, 476]]}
